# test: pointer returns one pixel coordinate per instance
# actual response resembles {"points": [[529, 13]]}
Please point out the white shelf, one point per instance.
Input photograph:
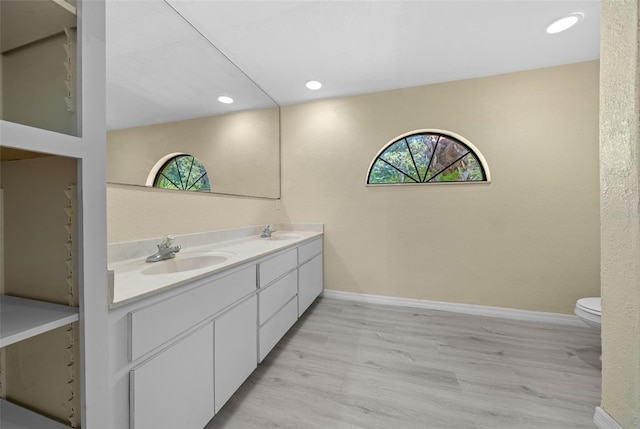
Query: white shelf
{"points": [[14, 417], [22, 318]]}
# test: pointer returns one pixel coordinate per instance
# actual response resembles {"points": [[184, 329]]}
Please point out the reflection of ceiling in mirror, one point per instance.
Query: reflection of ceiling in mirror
{"points": [[160, 69]]}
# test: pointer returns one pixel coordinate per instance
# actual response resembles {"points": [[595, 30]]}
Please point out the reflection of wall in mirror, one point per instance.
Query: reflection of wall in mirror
{"points": [[240, 151]]}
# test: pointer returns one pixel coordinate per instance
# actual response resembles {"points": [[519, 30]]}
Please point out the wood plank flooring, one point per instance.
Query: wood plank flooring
{"points": [[354, 365]]}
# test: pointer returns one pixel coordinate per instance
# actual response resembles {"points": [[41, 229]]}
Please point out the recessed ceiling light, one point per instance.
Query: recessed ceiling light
{"points": [[225, 99], [564, 23], [313, 85]]}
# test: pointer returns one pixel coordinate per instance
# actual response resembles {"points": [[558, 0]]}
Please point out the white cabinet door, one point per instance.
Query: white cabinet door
{"points": [[235, 349], [175, 388], [309, 283]]}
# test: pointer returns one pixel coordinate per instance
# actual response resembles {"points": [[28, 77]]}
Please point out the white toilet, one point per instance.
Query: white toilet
{"points": [[589, 310]]}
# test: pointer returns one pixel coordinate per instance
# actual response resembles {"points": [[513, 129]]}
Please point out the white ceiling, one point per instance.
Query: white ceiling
{"points": [[160, 69]]}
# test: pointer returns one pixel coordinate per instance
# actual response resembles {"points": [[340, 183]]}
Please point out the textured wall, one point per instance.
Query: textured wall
{"points": [[619, 211], [529, 240]]}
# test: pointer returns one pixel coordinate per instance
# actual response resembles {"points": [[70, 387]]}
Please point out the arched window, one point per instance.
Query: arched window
{"points": [[183, 172], [428, 156]]}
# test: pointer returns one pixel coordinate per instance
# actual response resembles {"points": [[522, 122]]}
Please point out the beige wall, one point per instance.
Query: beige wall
{"points": [[529, 240], [135, 213], [619, 208]]}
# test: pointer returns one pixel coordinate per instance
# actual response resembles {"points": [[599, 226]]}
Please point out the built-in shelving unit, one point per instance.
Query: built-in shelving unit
{"points": [[15, 417], [22, 318], [62, 127]]}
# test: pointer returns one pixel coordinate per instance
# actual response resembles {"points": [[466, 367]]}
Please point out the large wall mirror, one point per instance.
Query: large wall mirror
{"points": [[164, 78]]}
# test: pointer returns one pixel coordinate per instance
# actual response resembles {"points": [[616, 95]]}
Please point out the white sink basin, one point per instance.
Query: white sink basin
{"points": [[186, 262]]}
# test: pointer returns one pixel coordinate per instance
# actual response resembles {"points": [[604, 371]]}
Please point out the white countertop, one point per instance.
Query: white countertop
{"points": [[134, 278]]}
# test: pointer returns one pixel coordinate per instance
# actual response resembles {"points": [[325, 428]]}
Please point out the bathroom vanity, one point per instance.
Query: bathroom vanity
{"points": [[187, 332]]}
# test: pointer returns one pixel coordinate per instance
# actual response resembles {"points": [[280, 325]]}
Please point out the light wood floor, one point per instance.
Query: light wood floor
{"points": [[354, 365]]}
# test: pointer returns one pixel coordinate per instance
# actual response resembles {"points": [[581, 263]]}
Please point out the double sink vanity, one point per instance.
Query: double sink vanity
{"points": [[186, 332]]}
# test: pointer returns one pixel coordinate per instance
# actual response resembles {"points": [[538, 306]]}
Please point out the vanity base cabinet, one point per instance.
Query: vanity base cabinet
{"points": [[309, 283], [175, 388], [178, 357], [235, 349]]}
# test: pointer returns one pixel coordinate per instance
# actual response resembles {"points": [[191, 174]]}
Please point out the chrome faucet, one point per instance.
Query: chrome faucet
{"points": [[266, 233], [166, 250]]}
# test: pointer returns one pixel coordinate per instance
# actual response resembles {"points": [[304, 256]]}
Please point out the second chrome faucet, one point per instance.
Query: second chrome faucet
{"points": [[266, 233], [166, 250]]}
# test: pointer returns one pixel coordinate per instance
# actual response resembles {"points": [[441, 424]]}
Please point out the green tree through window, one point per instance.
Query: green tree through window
{"points": [[183, 172], [427, 157]]}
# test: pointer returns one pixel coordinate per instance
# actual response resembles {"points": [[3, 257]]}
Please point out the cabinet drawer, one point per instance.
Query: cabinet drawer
{"points": [[309, 250], [273, 268], [155, 325], [274, 329], [274, 297], [175, 388]]}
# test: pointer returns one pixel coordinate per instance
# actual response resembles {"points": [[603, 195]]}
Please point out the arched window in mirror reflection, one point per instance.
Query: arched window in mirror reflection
{"points": [[183, 172]]}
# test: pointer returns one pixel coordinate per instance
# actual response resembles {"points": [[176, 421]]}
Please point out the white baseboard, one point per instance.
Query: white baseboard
{"points": [[604, 421], [480, 310]]}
